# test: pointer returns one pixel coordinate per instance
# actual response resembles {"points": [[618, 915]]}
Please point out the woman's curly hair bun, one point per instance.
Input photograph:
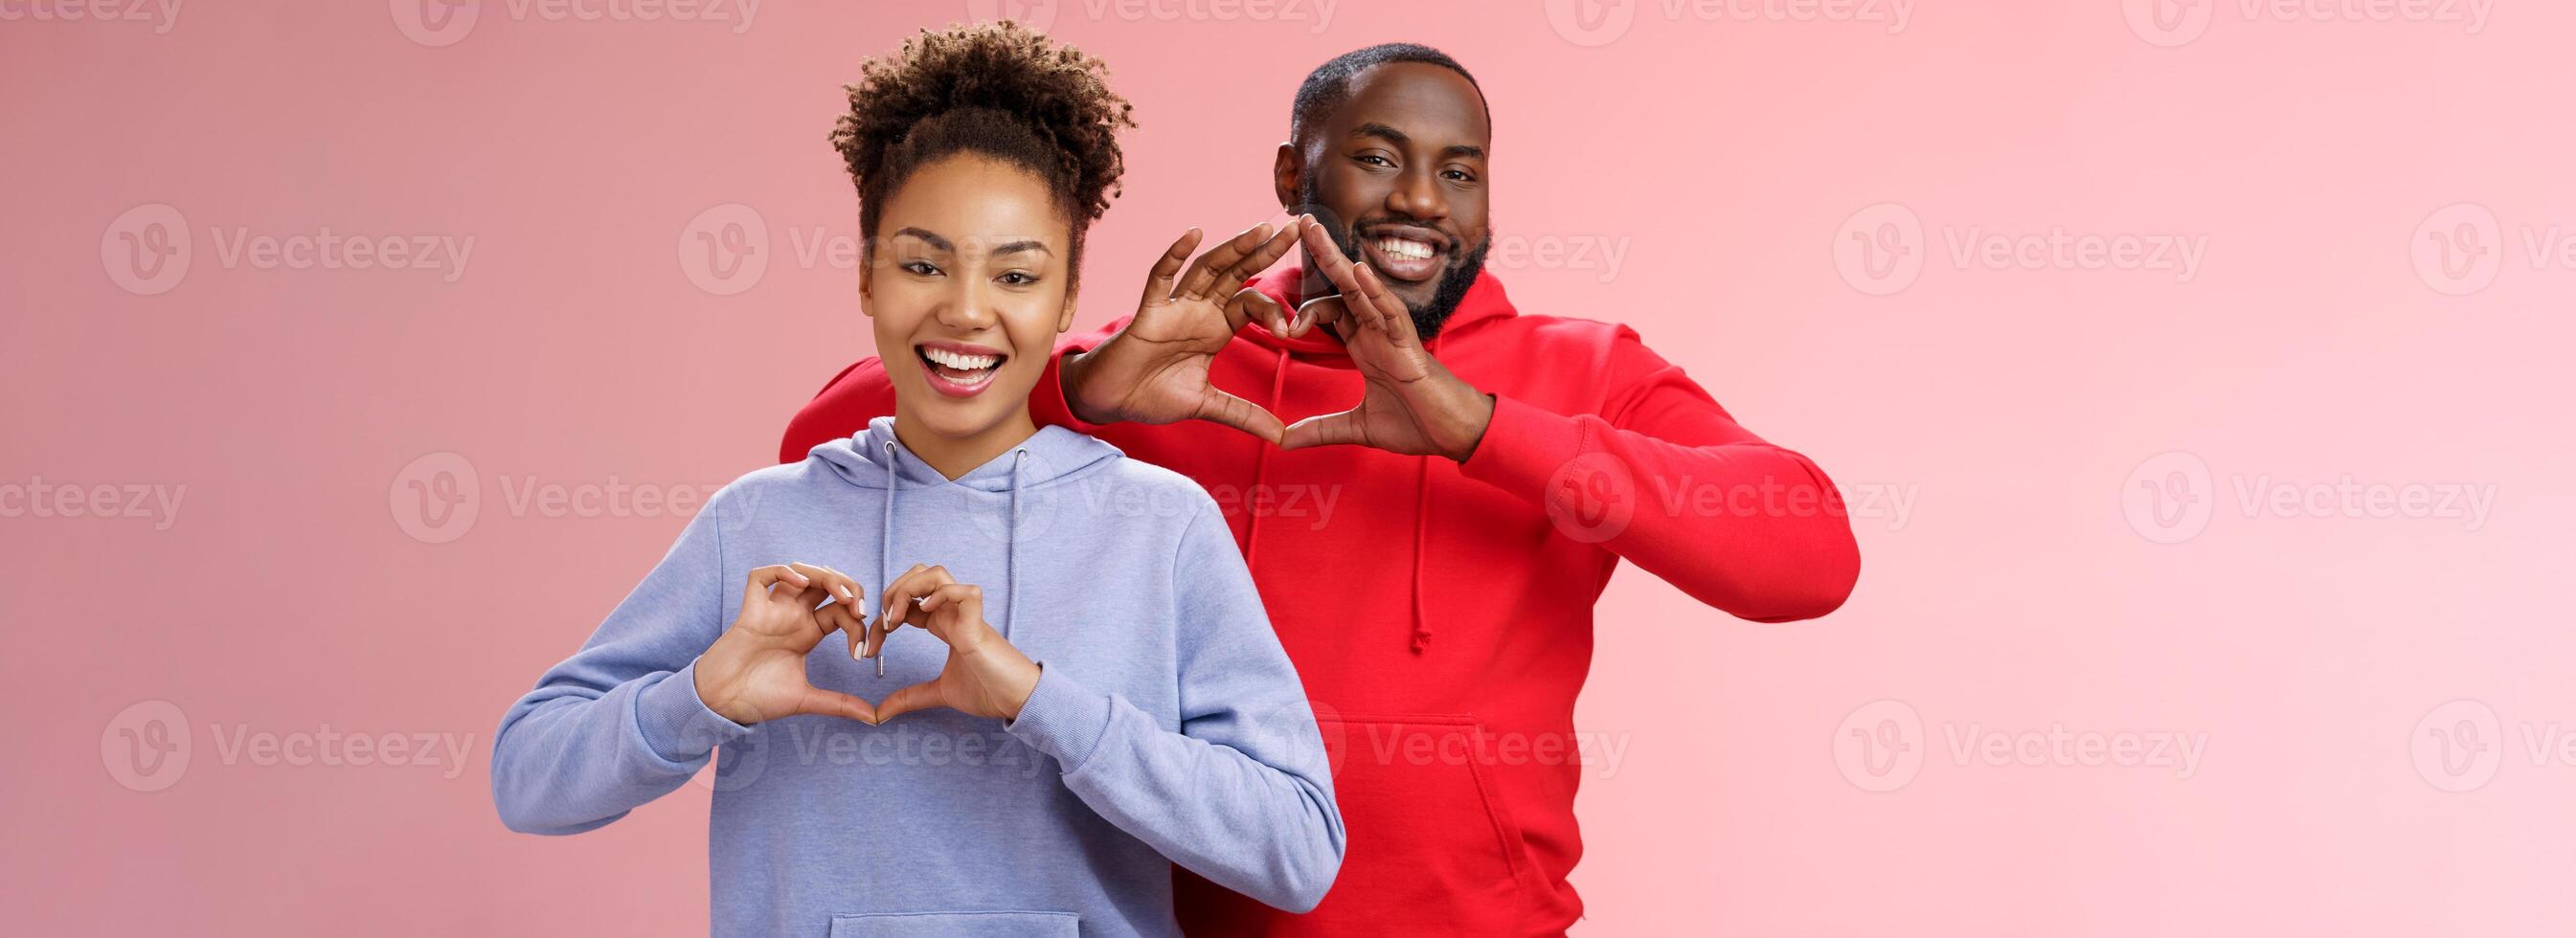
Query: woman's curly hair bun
{"points": [[999, 90]]}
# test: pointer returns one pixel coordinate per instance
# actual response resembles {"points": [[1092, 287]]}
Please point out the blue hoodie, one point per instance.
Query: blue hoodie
{"points": [[1167, 725]]}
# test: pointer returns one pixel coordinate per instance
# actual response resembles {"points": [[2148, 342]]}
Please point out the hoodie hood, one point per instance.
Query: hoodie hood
{"points": [[875, 459]]}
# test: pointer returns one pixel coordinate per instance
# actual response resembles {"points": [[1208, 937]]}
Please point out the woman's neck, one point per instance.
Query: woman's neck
{"points": [[953, 456]]}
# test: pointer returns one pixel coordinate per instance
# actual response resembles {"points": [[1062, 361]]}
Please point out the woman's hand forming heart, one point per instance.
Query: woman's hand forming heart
{"points": [[985, 675], [755, 671]]}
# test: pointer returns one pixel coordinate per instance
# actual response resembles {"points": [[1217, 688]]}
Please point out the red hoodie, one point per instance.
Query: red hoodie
{"points": [[1440, 614]]}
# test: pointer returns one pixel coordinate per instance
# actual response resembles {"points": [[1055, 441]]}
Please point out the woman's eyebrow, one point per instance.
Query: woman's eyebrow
{"points": [[935, 240], [1031, 244]]}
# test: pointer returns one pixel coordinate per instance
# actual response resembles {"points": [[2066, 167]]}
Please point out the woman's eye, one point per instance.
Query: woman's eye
{"points": [[921, 268], [1017, 278]]}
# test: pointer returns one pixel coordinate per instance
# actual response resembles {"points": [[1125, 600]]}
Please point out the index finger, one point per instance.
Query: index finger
{"points": [[1158, 282], [755, 586], [905, 591], [1255, 261], [1213, 264], [838, 584]]}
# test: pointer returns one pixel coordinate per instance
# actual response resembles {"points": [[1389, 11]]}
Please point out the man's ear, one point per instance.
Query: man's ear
{"points": [[1283, 176]]}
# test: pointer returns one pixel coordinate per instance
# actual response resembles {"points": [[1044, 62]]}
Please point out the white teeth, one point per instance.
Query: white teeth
{"points": [[1400, 247], [959, 361]]}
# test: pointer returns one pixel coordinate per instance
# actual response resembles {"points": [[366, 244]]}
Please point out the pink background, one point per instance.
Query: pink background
{"points": [[2379, 697]]}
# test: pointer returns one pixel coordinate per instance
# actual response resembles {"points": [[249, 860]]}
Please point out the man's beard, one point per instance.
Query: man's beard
{"points": [[1430, 315]]}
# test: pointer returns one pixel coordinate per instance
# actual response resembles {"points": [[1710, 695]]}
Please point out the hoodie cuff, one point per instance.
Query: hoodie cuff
{"points": [[1062, 718], [676, 726], [1523, 448], [1047, 405]]}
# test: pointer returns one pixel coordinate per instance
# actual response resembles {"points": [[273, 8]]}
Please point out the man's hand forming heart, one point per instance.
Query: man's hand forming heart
{"points": [[1412, 405], [1155, 370]]}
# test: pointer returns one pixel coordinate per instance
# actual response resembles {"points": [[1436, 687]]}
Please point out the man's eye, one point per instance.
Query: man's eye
{"points": [[1462, 175], [921, 268], [1375, 160]]}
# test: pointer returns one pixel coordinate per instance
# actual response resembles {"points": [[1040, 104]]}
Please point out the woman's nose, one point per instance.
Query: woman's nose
{"points": [[970, 308]]}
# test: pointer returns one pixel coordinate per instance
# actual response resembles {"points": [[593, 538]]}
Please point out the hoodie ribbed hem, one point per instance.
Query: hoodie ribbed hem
{"points": [[676, 726], [1524, 447], [1062, 718]]}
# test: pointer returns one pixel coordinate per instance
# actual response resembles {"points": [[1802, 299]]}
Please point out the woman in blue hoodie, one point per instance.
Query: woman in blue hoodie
{"points": [[1091, 690]]}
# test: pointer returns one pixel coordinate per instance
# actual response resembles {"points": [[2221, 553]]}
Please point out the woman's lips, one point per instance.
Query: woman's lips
{"points": [[950, 380], [1402, 258]]}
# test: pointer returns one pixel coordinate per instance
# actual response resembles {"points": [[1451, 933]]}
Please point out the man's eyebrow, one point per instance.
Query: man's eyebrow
{"points": [[1399, 138], [935, 240], [1390, 134]]}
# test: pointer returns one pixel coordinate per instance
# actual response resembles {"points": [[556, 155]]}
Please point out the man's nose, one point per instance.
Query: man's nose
{"points": [[1417, 195]]}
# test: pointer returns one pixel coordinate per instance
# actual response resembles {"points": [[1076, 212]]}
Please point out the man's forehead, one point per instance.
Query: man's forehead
{"points": [[1419, 98]]}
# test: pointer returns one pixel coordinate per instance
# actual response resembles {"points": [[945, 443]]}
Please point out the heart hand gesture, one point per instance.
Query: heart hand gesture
{"points": [[985, 676], [1412, 404], [755, 671], [1155, 370]]}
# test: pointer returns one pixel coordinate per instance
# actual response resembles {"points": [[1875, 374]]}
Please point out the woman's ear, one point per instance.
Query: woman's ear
{"points": [[1064, 319], [867, 279]]}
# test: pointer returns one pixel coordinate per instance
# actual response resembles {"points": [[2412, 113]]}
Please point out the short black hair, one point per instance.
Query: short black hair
{"points": [[1329, 85]]}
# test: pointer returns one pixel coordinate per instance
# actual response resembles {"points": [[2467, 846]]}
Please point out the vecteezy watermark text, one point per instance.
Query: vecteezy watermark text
{"points": [[37, 498], [2171, 497], [1881, 747]]}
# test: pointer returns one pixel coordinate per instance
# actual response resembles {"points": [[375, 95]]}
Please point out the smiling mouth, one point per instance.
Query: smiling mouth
{"points": [[957, 372], [1404, 257]]}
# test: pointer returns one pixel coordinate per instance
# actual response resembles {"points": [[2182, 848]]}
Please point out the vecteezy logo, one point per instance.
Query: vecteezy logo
{"points": [[2168, 23], [1591, 22], [145, 250], [1592, 498], [725, 249], [435, 23], [1879, 249], [2458, 746], [436, 498], [2458, 249], [2169, 497], [1034, 14], [737, 763], [145, 748], [1879, 747]]}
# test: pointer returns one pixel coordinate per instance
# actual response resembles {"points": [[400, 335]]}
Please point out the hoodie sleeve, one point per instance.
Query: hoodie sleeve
{"points": [[1241, 794], [1736, 522], [619, 723]]}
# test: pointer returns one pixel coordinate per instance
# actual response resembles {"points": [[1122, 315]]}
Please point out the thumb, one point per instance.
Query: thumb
{"points": [[922, 696], [836, 704], [1216, 406], [1324, 430]]}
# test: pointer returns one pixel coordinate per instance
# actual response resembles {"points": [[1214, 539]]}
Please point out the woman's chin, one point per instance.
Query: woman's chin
{"points": [[964, 418]]}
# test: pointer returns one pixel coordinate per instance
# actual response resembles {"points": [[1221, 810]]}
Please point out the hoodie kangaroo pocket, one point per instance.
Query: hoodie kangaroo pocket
{"points": [[957, 925], [1432, 846]]}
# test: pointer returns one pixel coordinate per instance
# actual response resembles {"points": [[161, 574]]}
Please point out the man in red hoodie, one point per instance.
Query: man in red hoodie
{"points": [[1431, 538]]}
